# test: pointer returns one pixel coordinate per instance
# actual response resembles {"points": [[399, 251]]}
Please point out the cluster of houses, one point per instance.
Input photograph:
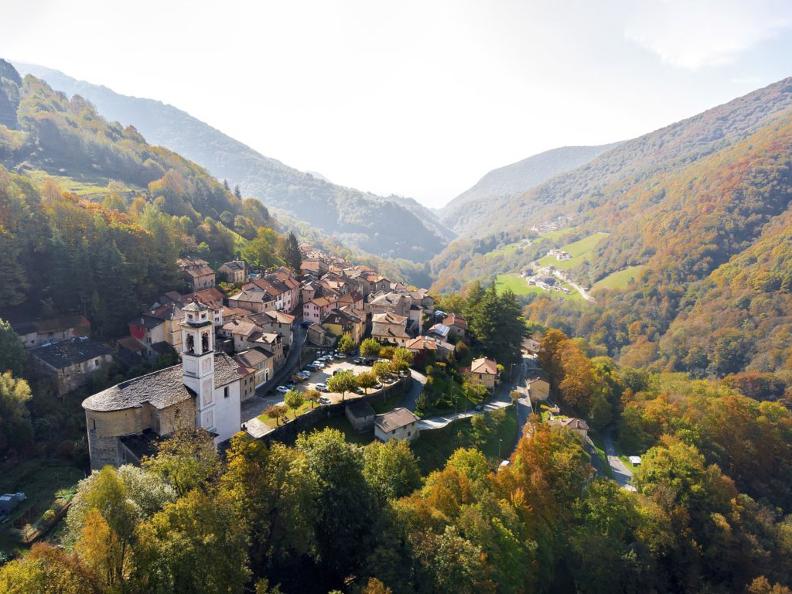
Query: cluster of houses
{"points": [[228, 343], [559, 255], [545, 278]]}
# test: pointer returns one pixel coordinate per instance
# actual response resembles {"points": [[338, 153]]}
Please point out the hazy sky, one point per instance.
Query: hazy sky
{"points": [[418, 98]]}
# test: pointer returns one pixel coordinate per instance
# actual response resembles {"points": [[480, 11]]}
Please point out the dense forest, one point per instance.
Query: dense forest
{"points": [[708, 513], [700, 209]]}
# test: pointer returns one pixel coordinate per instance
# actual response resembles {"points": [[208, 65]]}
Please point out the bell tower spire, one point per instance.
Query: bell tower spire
{"points": [[198, 361]]}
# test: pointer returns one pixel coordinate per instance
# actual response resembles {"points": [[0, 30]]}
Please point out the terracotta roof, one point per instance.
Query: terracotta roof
{"points": [[160, 389], [241, 326], [194, 266], [455, 320], [169, 311], [484, 365], [320, 301], [395, 419], [389, 318], [252, 357], [281, 317], [570, 423], [422, 343], [252, 297]]}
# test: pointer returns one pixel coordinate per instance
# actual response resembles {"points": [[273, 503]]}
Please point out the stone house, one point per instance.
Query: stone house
{"points": [[390, 328], [234, 272], [317, 308], [262, 363], [457, 326], [197, 273], [341, 321], [35, 333], [71, 363], [538, 389], [396, 303], [484, 372], [577, 426], [426, 349], [320, 337], [256, 301], [399, 423], [275, 321]]}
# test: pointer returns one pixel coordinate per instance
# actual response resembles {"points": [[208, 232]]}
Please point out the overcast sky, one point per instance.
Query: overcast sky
{"points": [[418, 98]]}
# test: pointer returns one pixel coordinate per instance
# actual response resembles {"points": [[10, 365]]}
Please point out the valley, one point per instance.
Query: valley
{"points": [[222, 374]]}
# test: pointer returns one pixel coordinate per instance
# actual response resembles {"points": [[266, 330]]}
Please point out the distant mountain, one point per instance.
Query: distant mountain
{"points": [[703, 207], [388, 227], [578, 192], [463, 212]]}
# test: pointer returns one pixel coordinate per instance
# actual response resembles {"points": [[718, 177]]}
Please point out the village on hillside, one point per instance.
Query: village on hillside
{"points": [[271, 352]]}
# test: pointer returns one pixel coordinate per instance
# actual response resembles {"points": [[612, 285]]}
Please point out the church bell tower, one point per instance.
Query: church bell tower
{"points": [[198, 361]]}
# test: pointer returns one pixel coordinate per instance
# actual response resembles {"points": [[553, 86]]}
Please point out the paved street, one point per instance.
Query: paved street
{"points": [[621, 474], [416, 387], [443, 421]]}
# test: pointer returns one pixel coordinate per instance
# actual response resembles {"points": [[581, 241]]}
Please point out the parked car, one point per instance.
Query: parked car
{"points": [[282, 389], [324, 400], [378, 386], [339, 356], [317, 365], [322, 387], [359, 361]]}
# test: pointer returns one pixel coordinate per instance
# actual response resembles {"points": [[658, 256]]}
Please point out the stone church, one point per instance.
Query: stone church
{"points": [[124, 421]]}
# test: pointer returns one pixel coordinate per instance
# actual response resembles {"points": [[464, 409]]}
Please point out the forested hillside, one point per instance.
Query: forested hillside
{"points": [[464, 213], [712, 297], [389, 227], [697, 210], [109, 246]]}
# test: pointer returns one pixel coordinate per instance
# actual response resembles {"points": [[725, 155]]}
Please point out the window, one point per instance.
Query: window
{"points": [[225, 392]]}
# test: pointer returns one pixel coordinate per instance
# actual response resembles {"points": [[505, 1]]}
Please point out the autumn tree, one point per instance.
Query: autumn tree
{"points": [[370, 348], [342, 382], [391, 469], [16, 429], [187, 460], [294, 399], [366, 380], [346, 344]]}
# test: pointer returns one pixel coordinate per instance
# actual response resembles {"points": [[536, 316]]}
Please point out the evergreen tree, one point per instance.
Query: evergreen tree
{"points": [[12, 351]]}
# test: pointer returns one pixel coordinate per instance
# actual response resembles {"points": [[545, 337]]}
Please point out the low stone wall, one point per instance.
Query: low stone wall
{"points": [[288, 433]]}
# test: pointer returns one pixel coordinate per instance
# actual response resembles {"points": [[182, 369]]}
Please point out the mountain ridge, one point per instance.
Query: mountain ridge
{"points": [[406, 231], [515, 178]]}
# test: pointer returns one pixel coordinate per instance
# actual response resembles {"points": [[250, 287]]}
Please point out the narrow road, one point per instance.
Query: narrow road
{"points": [[291, 363], [444, 421], [621, 474], [416, 387], [583, 292]]}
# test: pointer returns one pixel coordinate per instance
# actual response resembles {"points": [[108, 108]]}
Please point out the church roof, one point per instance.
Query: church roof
{"points": [[160, 389]]}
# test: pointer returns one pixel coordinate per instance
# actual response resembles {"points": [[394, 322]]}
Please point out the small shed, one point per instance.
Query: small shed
{"points": [[360, 414]]}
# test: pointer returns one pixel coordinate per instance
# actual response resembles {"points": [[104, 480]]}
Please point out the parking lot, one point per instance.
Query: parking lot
{"points": [[321, 376]]}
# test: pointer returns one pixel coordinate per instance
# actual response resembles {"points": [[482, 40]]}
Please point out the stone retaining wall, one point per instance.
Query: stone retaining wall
{"points": [[288, 433]]}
